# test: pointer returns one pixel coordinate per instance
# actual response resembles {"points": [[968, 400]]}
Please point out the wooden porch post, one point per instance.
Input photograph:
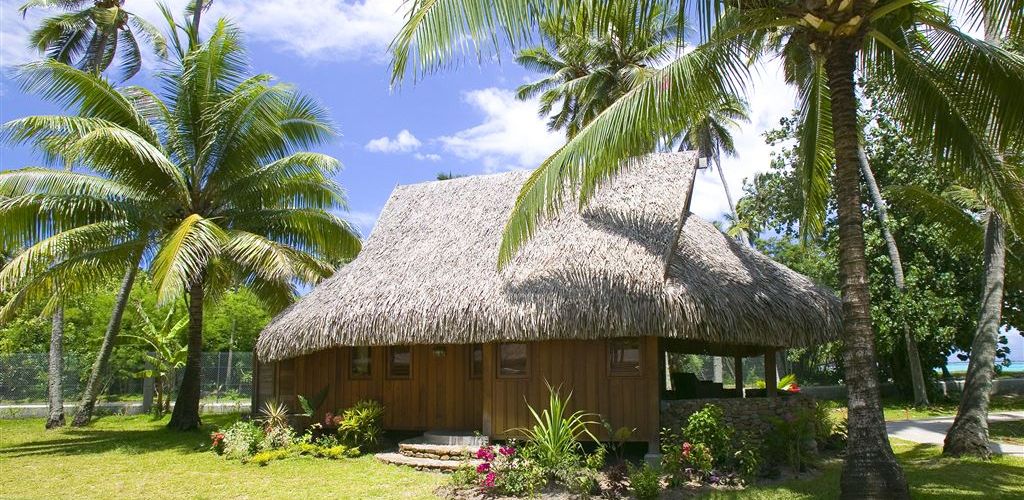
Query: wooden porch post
{"points": [[737, 368], [488, 387], [771, 378], [654, 378]]}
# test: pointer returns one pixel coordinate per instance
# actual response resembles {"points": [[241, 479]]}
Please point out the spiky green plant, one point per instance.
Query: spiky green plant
{"points": [[956, 94], [206, 184], [555, 436]]}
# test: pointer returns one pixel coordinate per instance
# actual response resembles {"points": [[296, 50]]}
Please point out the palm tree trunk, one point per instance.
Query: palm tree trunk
{"points": [[743, 237], [969, 434], [54, 387], [186, 408], [913, 357], [92, 388], [870, 469]]}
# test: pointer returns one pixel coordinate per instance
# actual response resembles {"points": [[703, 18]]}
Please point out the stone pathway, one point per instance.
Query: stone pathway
{"points": [[933, 431]]}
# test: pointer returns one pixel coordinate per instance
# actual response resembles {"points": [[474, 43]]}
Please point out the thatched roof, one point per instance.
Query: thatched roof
{"points": [[428, 275]]}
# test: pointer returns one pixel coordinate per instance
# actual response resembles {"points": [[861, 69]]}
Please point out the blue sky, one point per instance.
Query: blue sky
{"points": [[463, 121]]}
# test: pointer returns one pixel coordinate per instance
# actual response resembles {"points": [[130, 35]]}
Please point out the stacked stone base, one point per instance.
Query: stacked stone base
{"points": [[753, 415]]}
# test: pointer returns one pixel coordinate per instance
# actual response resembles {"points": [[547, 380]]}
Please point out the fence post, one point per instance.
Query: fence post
{"points": [[147, 392]]}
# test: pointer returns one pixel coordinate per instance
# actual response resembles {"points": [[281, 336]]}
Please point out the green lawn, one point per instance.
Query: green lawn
{"points": [[1008, 432], [134, 457], [904, 411]]}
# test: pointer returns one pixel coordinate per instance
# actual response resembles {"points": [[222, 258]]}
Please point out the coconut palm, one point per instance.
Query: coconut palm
{"points": [[953, 92], [973, 225], [92, 33], [205, 183], [595, 63]]}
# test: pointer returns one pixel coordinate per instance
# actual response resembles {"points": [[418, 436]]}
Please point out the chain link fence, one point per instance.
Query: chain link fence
{"points": [[23, 378]]}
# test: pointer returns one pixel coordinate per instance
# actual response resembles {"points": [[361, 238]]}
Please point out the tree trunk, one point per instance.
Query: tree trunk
{"points": [[55, 387], [969, 434], [913, 358], [185, 415], [870, 469], [92, 388], [743, 236]]}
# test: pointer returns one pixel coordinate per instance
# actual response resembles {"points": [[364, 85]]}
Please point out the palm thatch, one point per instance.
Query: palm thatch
{"points": [[428, 274]]}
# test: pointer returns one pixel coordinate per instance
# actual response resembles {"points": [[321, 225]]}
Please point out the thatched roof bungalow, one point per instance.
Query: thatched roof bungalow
{"points": [[424, 312]]}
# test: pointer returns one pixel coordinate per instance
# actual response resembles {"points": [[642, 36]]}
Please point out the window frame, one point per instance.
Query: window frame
{"points": [[352, 375], [526, 369], [612, 372], [476, 375], [389, 362]]}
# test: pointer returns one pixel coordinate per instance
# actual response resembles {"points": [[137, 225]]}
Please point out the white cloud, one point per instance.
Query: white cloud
{"points": [[404, 142], [319, 29], [363, 220], [770, 99], [14, 32], [427, 157], [512, 135]]}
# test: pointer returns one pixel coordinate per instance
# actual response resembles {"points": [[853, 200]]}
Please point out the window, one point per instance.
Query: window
{"points": [[360, 365], [476, 361], [512, 361], [399, 362], [624, 356]]}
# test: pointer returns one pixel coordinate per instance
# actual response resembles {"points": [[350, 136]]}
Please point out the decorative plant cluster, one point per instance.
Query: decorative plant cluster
{"points": [[271, 437]]}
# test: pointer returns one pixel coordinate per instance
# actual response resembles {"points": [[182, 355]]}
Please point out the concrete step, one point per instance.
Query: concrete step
{"points": [[417, 447], [450, 437], [424, 464]]}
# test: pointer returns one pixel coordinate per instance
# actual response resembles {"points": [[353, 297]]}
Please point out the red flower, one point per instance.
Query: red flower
{"points": [[793, 387], [482, 468], [489, 480], [686, 450], [485, 453], [508, 451]]}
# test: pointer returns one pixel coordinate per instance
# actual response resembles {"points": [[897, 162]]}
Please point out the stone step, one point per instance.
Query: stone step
{"points": [[425, 464], [417, 448]]}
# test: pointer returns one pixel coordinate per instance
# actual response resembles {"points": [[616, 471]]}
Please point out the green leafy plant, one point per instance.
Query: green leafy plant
{"points": [[786, 383], [312, 404], [644, 482], [464, 476], [265, 457], [168, 353], [707, 426], [555, 437], [361, 425], [242, 439], [618, 437], [793, 438]]}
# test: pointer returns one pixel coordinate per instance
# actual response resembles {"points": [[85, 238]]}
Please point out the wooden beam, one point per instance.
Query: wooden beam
{"points": [[488, 388], [771, 378], [737, 369]]}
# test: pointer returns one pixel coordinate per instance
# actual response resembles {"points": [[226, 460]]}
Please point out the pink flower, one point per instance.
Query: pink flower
{"points": [[794, 388], [328, 419], [489, 480], [482, 468], [485, 453], [508, 451], [686, 450]]}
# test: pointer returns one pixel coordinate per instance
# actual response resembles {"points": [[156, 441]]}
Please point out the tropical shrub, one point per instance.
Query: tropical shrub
{"points": [[555, 437], [265, 457], [511, 471], [277, 437], [706, 426], [644, 482], [465, 476], [274, 415], [362, 424], [792, 437], [242, 439], [217, 442]]}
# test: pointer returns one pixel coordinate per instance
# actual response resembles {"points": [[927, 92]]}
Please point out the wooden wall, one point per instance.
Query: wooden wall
{"points": [[581, 366], [440, 394]]}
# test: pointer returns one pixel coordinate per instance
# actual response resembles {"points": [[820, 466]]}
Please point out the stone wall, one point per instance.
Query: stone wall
{"points": [[743, 414]]}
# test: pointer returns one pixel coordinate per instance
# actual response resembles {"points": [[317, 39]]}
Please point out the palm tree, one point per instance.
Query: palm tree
{"points": [[710, 135], [595, 61], [911, 45], [206, 180], [958, 209], [92, 36]]}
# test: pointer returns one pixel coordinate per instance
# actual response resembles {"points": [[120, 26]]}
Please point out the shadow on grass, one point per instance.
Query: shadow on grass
{"points": [[932, 475], [146, 435]]}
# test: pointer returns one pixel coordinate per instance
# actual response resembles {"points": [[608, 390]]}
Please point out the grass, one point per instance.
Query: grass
{"points": [[135, 457], [1008, 432], [902, 411], [931, 476]]}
